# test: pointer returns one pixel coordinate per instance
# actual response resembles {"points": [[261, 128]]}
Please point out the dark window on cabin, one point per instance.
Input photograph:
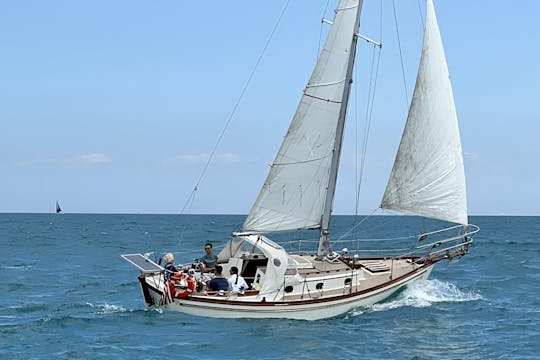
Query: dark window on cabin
{"points": [[288, 289], [348, 281], [319, 286], [250, 268]]}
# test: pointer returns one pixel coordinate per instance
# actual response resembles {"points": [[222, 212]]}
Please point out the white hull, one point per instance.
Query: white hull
{"points": [[243, 307]]}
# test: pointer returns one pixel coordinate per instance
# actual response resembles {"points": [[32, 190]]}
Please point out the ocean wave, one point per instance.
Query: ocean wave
{"points": [[16, 267]]}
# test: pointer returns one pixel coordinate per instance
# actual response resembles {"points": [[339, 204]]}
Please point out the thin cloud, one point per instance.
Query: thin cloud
{"points": [[194, 159], [94, 159], [85, 159]]}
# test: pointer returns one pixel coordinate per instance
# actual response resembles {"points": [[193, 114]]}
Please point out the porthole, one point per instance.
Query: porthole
{"points": [[348, 281], [319, 286], [288, 289], [277, 262]]}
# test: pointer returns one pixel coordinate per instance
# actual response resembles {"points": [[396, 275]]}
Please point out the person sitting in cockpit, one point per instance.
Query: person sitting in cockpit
{"points": [[218, 282], [170, 269], [236, 282]]}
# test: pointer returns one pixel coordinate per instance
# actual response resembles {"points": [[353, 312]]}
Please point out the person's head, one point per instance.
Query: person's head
{"points": [[169, 258], [234, 270], [219, 269], [208, 248]]}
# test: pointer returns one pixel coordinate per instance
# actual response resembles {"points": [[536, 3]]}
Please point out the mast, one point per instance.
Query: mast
{"points": [[324, 243]]}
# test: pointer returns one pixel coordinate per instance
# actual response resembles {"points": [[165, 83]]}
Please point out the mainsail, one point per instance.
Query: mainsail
{"points": [[428, 177], [294, 194], [58, 208]]}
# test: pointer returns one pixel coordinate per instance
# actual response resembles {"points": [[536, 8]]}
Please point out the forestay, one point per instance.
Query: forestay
{"points": [[428, 176], [293, 195]]}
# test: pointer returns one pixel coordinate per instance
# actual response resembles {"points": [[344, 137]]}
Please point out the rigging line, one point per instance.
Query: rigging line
{"points": [[192, 198], [355, 83], [369, 108], [381, 22], [321, 31], [369, 115], [322, 99], [367, 124], [371, 105], [374, 87], [301, 161], [348, 232], [235, 107], [400, 54], [420, 12]]}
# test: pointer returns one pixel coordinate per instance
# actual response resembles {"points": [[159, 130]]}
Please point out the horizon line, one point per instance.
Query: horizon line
{"points": [[227, 214]]}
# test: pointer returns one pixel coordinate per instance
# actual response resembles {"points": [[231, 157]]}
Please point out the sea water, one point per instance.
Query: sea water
{"points": [[67, 294]]}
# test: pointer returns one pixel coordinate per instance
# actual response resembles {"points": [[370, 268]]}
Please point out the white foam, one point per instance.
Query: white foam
{"points": [[17, 267], [426, 292], [423, 293], [108, 308]]}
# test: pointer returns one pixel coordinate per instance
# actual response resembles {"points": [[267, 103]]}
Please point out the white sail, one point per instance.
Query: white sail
{"points": [[428, 177], [294, 193]]}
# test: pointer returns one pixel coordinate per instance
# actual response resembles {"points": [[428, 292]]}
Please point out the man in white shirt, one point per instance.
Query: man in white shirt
{"points": [[236, 282]]}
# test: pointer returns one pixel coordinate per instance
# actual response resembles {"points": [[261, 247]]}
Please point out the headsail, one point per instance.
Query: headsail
{"points": [[428, 176], [295, 192]]}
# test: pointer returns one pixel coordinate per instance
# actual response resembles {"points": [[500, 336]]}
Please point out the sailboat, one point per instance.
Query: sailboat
{"points": [[58, 208], [427, 179]]}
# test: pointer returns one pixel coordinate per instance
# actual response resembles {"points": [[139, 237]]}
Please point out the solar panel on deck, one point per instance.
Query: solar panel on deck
{"points": [[142, 263]]}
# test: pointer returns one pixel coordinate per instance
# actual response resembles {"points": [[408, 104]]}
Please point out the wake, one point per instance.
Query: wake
{"points": [[423, 293]]}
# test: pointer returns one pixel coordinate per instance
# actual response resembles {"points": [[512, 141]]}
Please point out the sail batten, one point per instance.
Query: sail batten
{"points": [[428, 177], [294, 193]]}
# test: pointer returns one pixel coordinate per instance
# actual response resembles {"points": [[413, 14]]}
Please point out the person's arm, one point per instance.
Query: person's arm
{"points": [[204, 262], [245, 284]]}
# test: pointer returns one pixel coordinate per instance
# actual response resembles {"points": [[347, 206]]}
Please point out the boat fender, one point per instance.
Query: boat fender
{"points": [[183, 278]]}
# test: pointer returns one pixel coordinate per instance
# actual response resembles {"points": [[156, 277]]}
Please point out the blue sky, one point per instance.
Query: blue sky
{"points": [[113, 106]]}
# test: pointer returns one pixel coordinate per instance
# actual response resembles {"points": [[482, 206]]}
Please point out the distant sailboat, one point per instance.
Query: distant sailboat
{"points": [[427, 180], [58, 208]]}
